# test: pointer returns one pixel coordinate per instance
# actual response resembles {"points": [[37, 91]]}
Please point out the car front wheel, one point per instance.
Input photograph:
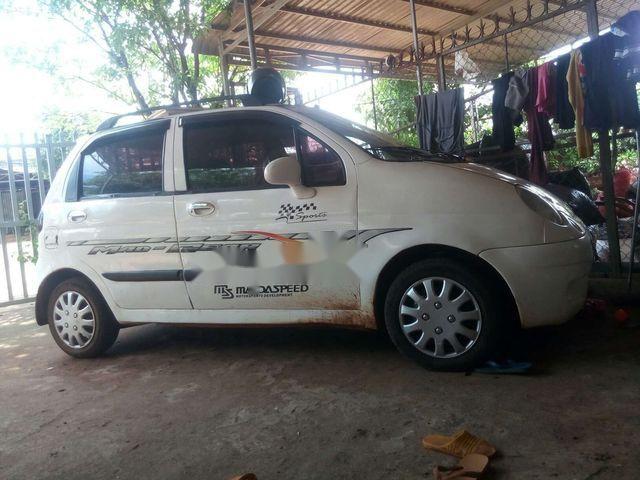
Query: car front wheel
{"points": [[80, 321], [443, 315]]}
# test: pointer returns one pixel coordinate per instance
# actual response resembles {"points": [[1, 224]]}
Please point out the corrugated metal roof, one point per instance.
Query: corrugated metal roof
{"points": [[365, 32]]}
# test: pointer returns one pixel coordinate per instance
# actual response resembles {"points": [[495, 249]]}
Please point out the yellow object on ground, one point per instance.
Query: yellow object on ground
{"points": [[459, 445], [470, 467]]}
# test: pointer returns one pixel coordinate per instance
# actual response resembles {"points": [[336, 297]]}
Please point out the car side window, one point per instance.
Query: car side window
{"points": [[231, 154], [321, 166], [123, 165]]}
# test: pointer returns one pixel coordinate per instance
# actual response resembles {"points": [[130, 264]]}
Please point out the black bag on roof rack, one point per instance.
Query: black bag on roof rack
{"points": [[266, 85]]}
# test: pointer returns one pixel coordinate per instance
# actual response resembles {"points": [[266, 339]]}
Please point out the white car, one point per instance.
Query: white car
{"points": [[280, 215]]}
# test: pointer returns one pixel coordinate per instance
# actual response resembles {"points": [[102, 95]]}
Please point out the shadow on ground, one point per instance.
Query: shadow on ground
{"points": [[291, 403]]}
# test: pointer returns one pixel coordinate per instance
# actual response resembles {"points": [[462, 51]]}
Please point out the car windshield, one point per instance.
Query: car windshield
{"points": [[377, 144]]}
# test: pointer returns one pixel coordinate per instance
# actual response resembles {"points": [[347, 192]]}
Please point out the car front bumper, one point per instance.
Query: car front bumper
{"points": [[549, 282]]}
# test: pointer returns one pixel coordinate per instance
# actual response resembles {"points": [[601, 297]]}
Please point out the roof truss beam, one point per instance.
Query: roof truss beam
{"points": [[353, 19], [444, 7], [265, 14], [327, 42], [313, 53], [237, 18]]}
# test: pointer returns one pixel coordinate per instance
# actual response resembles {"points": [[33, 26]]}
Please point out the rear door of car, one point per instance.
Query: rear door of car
{"points": [[256, 245], [120, 221]]}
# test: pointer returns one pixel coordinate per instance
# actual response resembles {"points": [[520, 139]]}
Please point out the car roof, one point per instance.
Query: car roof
{"points": [[111, 125]]}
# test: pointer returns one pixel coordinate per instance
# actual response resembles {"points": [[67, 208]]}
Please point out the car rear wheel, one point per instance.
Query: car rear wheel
{"points": [[443, 315], [80, 321]]}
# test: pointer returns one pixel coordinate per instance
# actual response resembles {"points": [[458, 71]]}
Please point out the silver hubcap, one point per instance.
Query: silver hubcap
{"points": [[73, 319], [440, 317]]}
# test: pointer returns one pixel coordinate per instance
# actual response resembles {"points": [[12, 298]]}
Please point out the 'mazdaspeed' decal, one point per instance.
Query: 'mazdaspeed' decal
{"points": [[260, 291]]}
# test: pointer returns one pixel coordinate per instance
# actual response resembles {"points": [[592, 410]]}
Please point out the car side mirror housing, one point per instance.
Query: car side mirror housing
{"points": [[286, 171]]}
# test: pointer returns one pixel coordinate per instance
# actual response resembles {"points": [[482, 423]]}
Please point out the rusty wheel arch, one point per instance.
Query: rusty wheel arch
{"points": [[421, 252]]}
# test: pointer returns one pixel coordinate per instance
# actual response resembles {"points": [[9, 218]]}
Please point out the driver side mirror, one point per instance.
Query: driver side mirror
{"points": [[286, 171]]}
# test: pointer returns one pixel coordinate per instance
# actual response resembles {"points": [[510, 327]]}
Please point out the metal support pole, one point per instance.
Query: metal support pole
{"points": [[506, 53], [416, 46], [592, 19], [373, 103], [442, 79], [609, 203], [634, 239], [250, 37], [224, 71]]}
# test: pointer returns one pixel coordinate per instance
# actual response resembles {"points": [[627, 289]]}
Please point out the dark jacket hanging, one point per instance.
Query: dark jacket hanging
{"points": [[627, 54], [610, 98], [503, 118], [440, 120], [565, 116]]}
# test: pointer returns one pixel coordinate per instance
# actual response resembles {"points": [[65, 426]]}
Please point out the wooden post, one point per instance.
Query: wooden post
{"points": [[442, 78], [224, 71], [592, 19]]}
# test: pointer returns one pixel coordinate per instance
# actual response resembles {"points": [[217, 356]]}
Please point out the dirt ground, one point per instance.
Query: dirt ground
{"points": [[309, 404]]}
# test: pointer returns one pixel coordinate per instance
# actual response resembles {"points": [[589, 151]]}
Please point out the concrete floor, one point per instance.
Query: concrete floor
{"points": [[309, 404]]}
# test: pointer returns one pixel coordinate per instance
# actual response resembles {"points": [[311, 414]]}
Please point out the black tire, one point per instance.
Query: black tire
{"points": [[105, 330], [488, 298]]}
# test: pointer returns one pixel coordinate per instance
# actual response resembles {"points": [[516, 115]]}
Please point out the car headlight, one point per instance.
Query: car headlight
{"points": [[540, 203]]}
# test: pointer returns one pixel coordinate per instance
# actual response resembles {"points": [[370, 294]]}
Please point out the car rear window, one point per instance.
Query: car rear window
{"points": [[123, 165]]}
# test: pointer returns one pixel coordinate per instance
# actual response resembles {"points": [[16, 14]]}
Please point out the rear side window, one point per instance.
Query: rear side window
{"points": [[123, 165], [232, 155]]}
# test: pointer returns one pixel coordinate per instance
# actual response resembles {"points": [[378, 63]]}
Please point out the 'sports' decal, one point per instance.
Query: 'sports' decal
{"points": [[304, 213], [261, 291]]}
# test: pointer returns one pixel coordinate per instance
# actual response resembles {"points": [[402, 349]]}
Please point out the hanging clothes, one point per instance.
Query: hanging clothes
{"points": [[546, 96], [610, 98], [440, 119], [627, 53], [575, 78], [426, 120], [565, 116], [503, 119], [517, 92], [539, 130]]}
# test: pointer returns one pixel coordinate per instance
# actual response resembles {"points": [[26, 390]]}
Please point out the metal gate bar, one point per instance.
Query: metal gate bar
{"points": [[37, 158]]}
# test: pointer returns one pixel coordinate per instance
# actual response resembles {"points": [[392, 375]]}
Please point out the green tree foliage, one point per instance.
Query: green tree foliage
{"points": [[147, 43], [395, 107]]}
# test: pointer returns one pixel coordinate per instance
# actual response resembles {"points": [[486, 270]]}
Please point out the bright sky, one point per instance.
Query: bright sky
{"points": [[27, 92]]}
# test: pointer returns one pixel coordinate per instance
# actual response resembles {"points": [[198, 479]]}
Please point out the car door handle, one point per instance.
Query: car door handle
{"points": [[198, 209], [77, 216]]}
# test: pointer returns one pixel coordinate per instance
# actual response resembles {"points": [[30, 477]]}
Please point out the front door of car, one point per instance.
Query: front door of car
{"points": [[255, 245], [120, 221]]}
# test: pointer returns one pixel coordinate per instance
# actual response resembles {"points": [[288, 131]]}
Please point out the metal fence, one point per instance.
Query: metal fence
{"points": [[28, 164]]}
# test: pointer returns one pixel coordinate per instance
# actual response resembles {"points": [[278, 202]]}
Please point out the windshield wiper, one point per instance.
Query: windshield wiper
{"points": [[411, 154]]}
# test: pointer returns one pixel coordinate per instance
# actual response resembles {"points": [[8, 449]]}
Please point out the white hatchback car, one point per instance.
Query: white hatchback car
{"points": [[285, 215]]}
